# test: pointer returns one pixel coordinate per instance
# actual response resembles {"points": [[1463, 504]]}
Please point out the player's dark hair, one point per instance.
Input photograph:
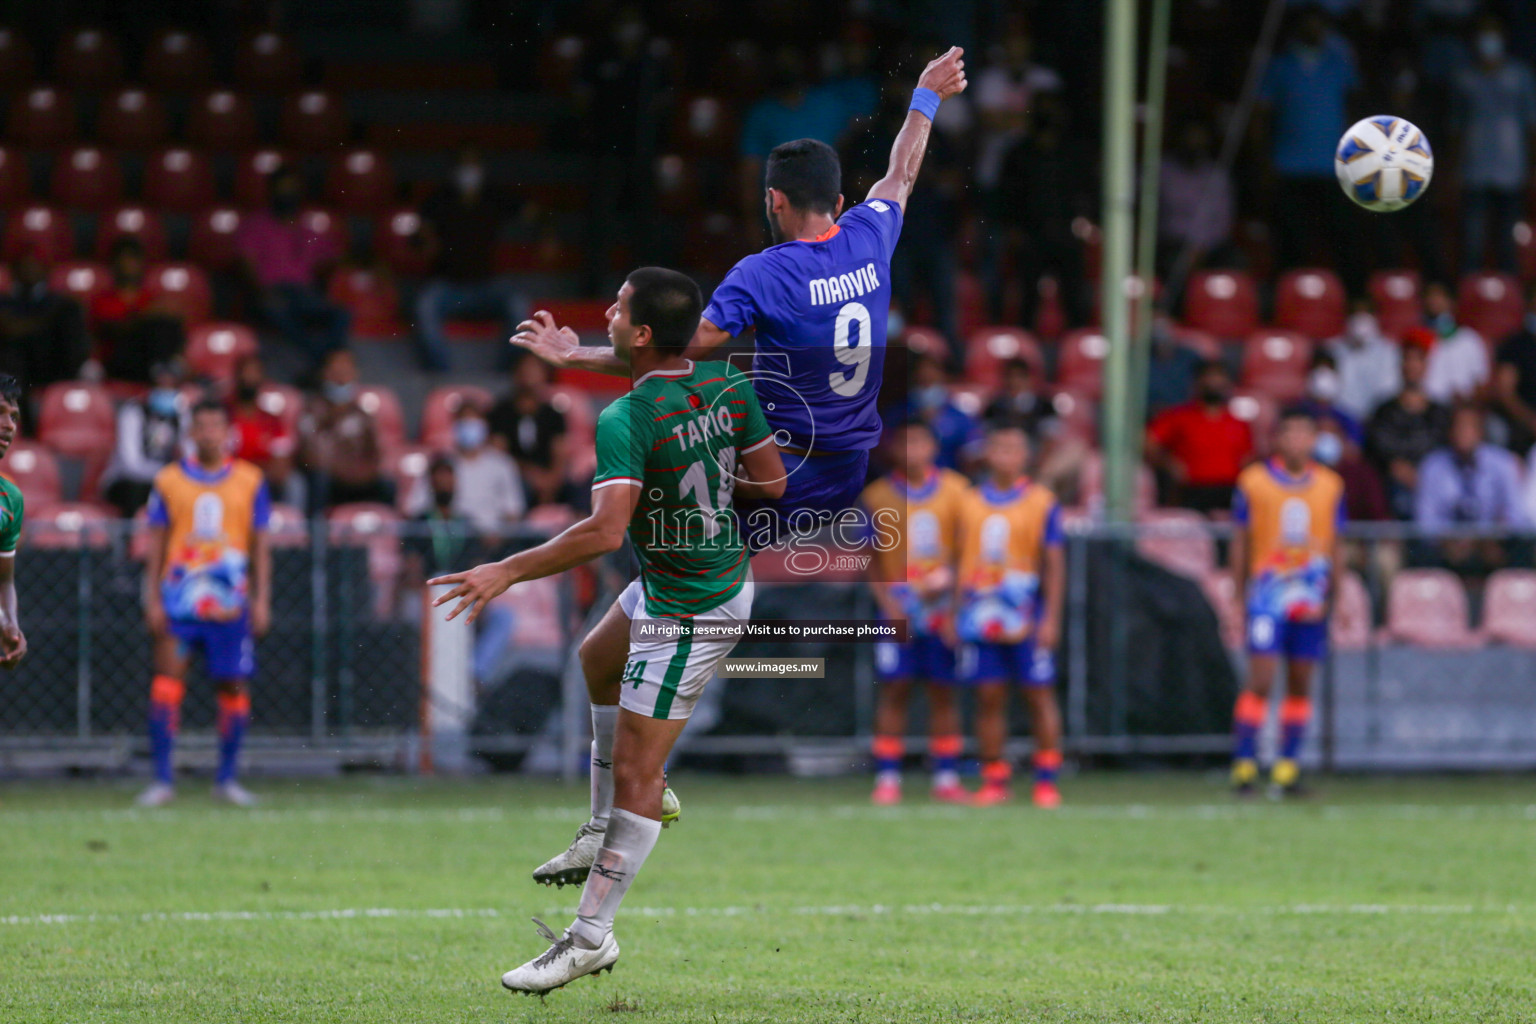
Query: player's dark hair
{"points": [[1205, 366], [667, 302], [209, 405], [1004, 424], [808, 173], [10, 389], [1297, 412]]}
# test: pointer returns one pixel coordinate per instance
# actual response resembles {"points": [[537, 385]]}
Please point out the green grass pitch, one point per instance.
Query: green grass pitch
{"points": [[1147, 898]]}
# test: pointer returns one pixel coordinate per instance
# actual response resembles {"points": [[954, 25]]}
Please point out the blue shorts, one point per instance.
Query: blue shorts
{"points": [[1016, 663], [1298, 641], [821, 486], [229, 650], [925, 658]]}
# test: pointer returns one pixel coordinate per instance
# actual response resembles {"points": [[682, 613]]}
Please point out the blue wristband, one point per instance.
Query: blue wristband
{"points": [[925, 102]]}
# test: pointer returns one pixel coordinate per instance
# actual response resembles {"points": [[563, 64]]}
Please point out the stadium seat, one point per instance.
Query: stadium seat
{"points": [[140, 222], [704, 125], [313, 120], [376, 528], [550, 519], [283, 401], [16, 62], [15, 188], [69, 525], [212, 241], [1078, 415], [327, 224], [1276, 363], [1310, 301], [1091, 485], [41, 116], [178, 179], [80, 278], [395, 242], [383, 405], [132, 119], [1202, 343], [989, 348], [360, 181], [581, 428], [372, 299], [251, 173], [408, 467], [441, 405], [1260, 411], [76, 419], [41, 228], [214, 349], [287, 527], [1222, 302], [34, 469], [925, 341], [1221, 592], [1509, 608], [177, 60], [222, 119], [1395, 294], [86, 178], [88, 58], [535, 608], [1177, 539], [184, 288], [1080, 362], [267, 61], [1491, 305], [1428, 608], [1350, 627]]}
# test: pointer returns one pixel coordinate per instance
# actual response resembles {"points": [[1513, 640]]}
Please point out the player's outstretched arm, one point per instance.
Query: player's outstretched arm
{"points": [[596, 535], [761, 474], [559, 346], [13, 645], [942, 78]]}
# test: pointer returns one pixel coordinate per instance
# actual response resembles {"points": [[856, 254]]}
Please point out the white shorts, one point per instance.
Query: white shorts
{"points": [[665, 675]]}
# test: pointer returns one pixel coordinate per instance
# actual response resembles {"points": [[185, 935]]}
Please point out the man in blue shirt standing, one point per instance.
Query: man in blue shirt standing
{"points": [[1495, 103]]}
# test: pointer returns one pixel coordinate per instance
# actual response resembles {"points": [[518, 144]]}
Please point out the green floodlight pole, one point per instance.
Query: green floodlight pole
{"points": [[1146, 230], [1119, 131]]}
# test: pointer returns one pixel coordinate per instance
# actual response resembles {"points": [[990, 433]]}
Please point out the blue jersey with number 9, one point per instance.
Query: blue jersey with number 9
{"points": [[820, 311]]}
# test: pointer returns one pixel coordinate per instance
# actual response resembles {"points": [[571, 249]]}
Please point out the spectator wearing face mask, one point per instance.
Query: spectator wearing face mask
{"points": [[150, 434], [488, 491], [931, 402], [1514, 382], [1458, 361], [1368, 364], [261, 438], [1199, 448], [1494, 108], [1364, 497], [341, 449], [1407, 427], [1324, 386], [1469, 483], [1171, 368]]}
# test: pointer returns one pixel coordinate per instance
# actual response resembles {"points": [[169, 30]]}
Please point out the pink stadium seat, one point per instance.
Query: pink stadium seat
{"points": [[77, 420], [87, 178], [313, 120], [408, 467], [383, 405], [1352, 622], [1310, 301], [178, 179], [1080, 363], [1428, 608], [33, 468], [371, 297], [581, 426], [82, 279], [212, 241], [41, 116], [1091, 485], [1222, 302], [41, 228], [185, 289], [140, 222], [283, 401], [15, 188], [69, 525], [1276, 363], [1203, 344], [536, 614], [287, 527], [1260, 411], [440, 407], [395, 241], [1491, 305], [1078, 415], [267, 61], [989, 348], [1396, 295], [213, 349], [88, 58], [132, 119], [16, 62], [251, 174], [177, 60], [550, 518], [222, 119], [925, 341], [1221, 591], [1509, 608], [1179, 540], [375, 527], [360, 181]]}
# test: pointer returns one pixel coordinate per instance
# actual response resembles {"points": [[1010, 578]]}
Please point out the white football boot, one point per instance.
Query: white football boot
{"points": [[157, 795], [562, 963], [572, 866], [234, 793]]}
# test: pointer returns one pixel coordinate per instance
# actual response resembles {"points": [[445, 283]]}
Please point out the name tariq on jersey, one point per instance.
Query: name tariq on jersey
{"points": [[697, 429], [827, 290]]}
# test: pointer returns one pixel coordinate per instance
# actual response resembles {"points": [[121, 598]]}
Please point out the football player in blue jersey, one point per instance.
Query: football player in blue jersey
{"points": [[818, 300]]}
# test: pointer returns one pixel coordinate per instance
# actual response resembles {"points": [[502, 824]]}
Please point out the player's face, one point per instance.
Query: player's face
{"points": [[620, 331], [10, 423], [210, 435], [1007, 454], [920, 451], [1296, 439]]}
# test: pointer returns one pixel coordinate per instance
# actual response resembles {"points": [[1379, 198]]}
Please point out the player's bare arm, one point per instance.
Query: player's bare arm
{"points": [[597, 535], [760, 474], [13, 643], [261, 582], [1237, 553], [945, 76], [560, 346], [1054, 585], [154, 565]]}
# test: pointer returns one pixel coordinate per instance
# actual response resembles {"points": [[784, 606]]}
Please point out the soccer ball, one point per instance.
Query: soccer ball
{"points": [[1384, 163]]}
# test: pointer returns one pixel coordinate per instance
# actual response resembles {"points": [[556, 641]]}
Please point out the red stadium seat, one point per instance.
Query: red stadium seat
{"points": [[1509, 608], [77, 420], [408, 467], [989, 348], [375, 527], [704, 125], [212, 242], [251, 174], [184, 288], [177, 60], [1221, 592], [1311, 301], [283, 401], [395, 242], [535, 609], [16, 63], [88, 58], [15, 188], [371, 297], [1222, 302], [1428, 608], [328, 225], [1078, 415], [131, 118], [69, 525], [287, 527], [1260, 411], [1080, 362], [222, 119], [33, 468], [41, 116], [925, 341], [1276, 363], [314, 120], [140, 222], [178, 179], [82, 279], [1178, 540], [5, 278], [1396, 296], [38, 227], [383, 405], [360, 181], [440, 407], [214, 349], [87, 178], [1206, 346], [1491, 305], [581, 429], [1350, 627], [267, 61]]}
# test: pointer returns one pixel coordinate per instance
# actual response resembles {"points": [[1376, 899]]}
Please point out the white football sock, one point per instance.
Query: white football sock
{"points": [[629, 841], [605, 719]]}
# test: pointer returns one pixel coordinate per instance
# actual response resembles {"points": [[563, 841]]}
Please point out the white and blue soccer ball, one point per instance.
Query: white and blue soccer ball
{"points": [[1384, 163]]}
